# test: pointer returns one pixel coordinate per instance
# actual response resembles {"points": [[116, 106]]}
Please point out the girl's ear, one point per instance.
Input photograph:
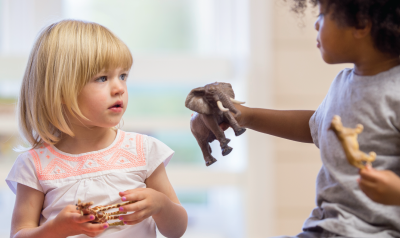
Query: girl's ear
{"points": [[364, 31]]}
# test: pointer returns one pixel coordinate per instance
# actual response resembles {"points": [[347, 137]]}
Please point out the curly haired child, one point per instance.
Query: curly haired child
{"points": [[367, 34], [73, 94]]}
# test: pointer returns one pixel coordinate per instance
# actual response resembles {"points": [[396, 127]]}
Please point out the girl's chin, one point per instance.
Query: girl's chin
{"points": [[328, 59], [333, 58], [109, 124]]}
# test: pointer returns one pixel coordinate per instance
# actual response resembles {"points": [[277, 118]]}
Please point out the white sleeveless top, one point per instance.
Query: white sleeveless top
{"points": [[96, 176]]}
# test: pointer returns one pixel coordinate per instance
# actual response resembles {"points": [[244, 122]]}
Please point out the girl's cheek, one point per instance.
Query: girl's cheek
{"points": [[100, 99]]}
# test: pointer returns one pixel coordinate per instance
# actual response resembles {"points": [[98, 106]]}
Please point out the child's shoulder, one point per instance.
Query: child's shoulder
{"points": [[27, 155], [142, 143], [152, 149], [139, 137], [345, 72], [391, 76]]}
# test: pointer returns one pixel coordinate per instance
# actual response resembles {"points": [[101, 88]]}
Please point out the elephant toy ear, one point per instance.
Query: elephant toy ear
{"points": [[195, 101]]}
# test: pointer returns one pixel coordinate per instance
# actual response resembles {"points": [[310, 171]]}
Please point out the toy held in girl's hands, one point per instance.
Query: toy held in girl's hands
{"points": [[213, 105], [348, 139], [98, 212]]}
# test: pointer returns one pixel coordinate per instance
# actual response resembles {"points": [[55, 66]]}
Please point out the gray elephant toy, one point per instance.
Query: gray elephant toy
{"points": [[212, 105]]}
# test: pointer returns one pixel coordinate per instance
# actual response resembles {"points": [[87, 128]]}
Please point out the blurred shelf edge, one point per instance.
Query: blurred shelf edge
{"points": [[175, 68]]}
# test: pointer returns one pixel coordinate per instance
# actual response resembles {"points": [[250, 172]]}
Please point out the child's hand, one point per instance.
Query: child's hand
{"points": [[224, 126], [70, 222], [149, 202], [382, 186]]}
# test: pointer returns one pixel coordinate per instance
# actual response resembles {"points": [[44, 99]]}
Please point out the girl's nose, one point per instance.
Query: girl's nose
{"points": [[118, 88]]}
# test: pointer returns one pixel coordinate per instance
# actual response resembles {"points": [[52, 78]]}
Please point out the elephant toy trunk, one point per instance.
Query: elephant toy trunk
{"points": [[227, 103]]}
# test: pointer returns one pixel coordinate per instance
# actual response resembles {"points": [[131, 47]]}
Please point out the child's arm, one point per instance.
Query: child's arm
{"points": [[26, 215], [158, 200], [292, 125], [382, 186]]}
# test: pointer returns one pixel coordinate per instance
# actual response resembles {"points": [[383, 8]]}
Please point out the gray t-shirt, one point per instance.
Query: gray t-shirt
{"points": [[374, 102]]}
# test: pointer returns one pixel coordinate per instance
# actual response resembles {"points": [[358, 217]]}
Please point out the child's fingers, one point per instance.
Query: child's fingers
{"points": [[224, 126], [136, 196], [90, 227], [367, 191], [366, 185], [93, 230], [130, 191], [134, 218], [368, 174], [133, 207], [78, 218]]}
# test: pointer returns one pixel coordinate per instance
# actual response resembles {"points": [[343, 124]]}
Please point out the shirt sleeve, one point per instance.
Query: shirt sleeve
{"points": [[315, 122], [156, 153], [23, 171]]}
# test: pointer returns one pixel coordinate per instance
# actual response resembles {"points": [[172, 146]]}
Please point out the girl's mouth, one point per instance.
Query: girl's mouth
{"points": [[117, 107]]}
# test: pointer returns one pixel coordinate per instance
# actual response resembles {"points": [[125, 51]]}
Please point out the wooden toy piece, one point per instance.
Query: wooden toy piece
{"points": [[99, 214], [348, 139]]}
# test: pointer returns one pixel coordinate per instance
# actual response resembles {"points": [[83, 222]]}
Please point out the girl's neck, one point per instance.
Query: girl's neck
{"points": [[373, 63], [86, 140]]}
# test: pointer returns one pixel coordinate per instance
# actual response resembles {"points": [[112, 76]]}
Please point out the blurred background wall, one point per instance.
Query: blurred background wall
{"points": [[266, 186]]}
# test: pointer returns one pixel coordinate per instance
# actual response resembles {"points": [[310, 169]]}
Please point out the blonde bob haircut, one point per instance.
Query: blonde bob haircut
{"points": [[66, 55]]}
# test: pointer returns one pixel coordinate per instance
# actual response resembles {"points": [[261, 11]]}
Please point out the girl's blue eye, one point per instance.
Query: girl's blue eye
{"points": [[123, 76], [102, 79]]}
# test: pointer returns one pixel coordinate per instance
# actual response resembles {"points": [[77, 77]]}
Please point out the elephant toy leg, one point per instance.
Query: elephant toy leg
{"points": [[211, 122], [233, 123], [202, 135], [206, 150]]}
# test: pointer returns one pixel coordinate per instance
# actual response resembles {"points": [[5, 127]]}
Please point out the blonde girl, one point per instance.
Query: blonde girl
{"points": [[73, 95]]}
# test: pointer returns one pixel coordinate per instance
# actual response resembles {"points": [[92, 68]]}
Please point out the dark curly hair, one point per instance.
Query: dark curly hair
{"points": [[383, 14]]}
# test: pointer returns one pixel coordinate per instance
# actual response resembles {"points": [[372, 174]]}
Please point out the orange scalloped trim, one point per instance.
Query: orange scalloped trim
{"points": [[118, 151]]}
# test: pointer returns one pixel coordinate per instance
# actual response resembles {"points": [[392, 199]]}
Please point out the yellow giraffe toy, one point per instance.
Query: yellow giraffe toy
{"points": [[348, 139]]}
